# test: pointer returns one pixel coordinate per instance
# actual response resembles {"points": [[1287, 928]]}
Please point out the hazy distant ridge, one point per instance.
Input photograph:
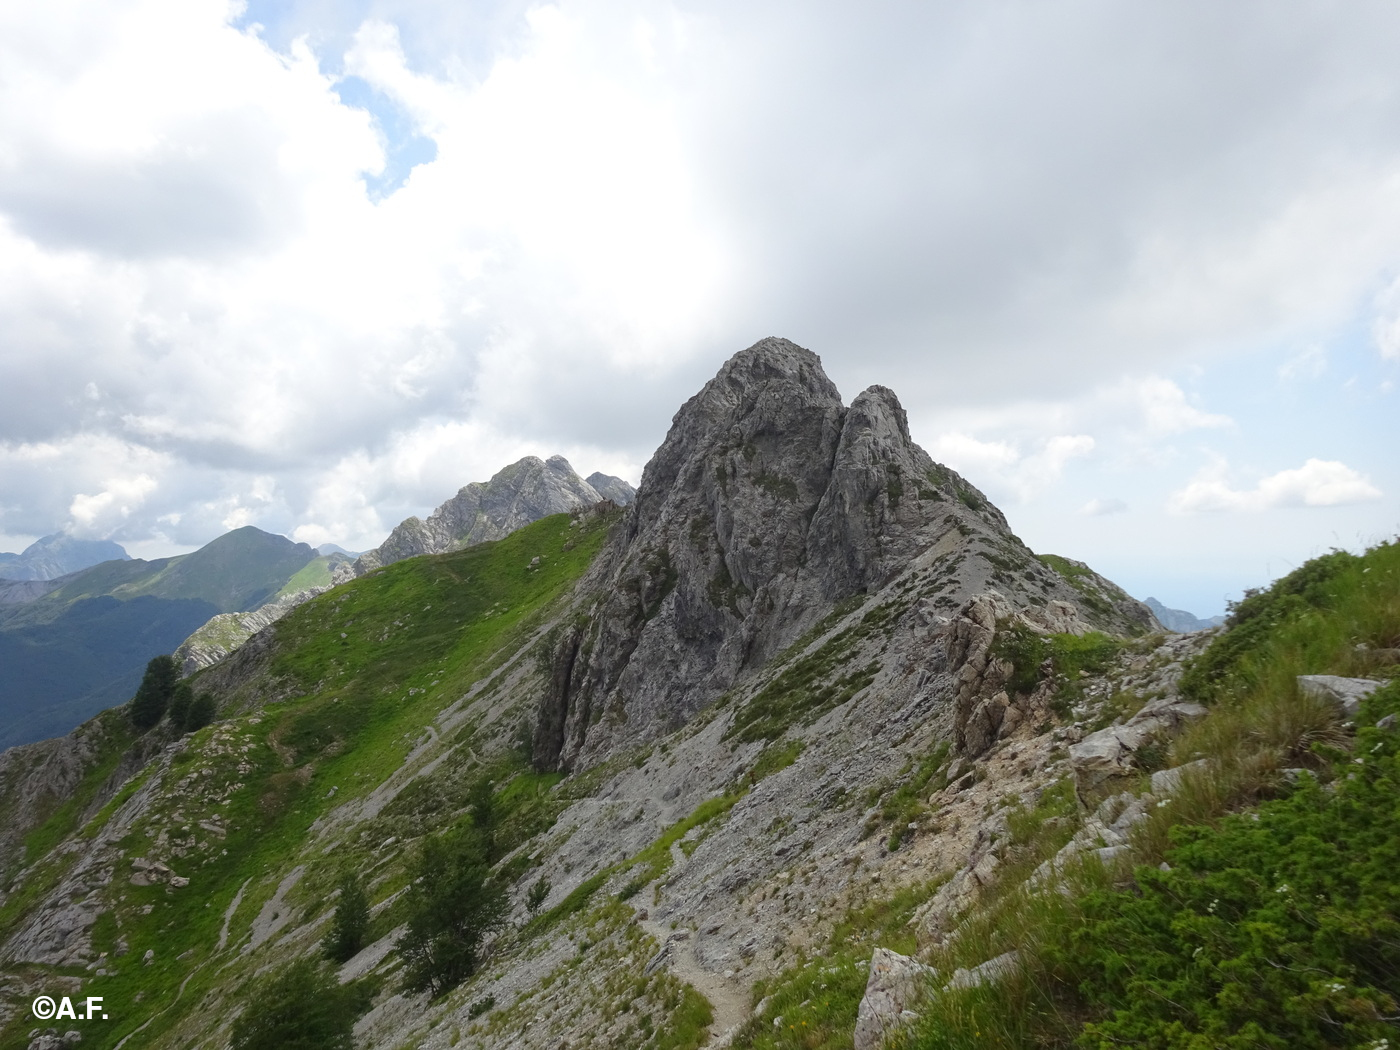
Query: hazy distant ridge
{"points": [[1180, 620], [58, 555]]}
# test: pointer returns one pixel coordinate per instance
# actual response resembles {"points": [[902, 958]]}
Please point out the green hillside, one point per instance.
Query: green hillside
{"points": [[81, 648], [370, 666], [238, 571]]}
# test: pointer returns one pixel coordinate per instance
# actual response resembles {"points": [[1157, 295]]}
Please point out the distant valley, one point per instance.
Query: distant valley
{"points": [[74, 641]]}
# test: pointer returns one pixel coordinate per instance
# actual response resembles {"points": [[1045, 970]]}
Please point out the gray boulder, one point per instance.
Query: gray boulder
{"points": [[989, 972], [895, 985], [1111, 752], [1345, 693]]}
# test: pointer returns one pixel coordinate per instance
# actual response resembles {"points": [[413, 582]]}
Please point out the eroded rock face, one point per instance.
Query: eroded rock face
{"points": [[226, 632], [896, 984], [521, 493], [769, 503]]}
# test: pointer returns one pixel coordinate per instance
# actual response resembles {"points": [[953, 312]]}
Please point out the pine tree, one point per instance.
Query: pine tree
{"points": [[180, 703], [200, 714], [451, 904], [300, 1007], [156, 691], [351, 922]]}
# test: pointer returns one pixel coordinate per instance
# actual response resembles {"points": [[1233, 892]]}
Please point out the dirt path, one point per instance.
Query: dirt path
{"points": [[729, 996]]}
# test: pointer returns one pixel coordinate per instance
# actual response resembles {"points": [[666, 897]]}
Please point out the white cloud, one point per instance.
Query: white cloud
{"points": [[1164, 408], [1306, 364], [1001, 464], [1317, 483], [1100, 507], [195, 285], [100, 513], [1386, 326]]}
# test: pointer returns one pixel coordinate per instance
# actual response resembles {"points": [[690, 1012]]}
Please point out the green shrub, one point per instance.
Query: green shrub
{"points": [[452, 903], [350, 922], [1067, 654], [155, 692], [1279, 929], [1272, 928], [300, 1007], [1258, 617]]}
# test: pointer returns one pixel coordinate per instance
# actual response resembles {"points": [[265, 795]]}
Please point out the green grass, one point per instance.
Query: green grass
{"points": [[905, 804], [1069, 655], [1082, 579], [315, 573], [817, 999], [775, 758], [417, 634], [813, 684], [1273, 926]]}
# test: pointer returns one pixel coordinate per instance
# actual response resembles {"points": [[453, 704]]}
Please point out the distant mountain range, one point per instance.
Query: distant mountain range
{"points": [[81, 647], [58, 555], [1179, 620], [75, 636]]}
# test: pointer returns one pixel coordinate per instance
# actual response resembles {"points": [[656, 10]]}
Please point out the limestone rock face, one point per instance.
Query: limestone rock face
{"points": [[519, 494], [609, 487], [1109, 753], [768, 503], [896, 983], [224, 633], [1345, 693]]}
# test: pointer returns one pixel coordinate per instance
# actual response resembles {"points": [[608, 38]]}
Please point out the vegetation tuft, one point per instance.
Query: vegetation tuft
{"points": [[1032, 655], [813, 684], [1269, 927]]}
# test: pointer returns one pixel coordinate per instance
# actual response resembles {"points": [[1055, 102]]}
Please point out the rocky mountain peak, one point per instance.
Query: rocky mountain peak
{"points": [[768, 503], [523, 492], [58, 555]]}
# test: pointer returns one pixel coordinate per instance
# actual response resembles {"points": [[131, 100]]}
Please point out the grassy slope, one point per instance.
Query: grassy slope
{"points": [[315, 573], [1103, 963], [377, 660], [1275, 925]]}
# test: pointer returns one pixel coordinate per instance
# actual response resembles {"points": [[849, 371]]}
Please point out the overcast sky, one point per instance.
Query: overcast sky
{"points": [[312, 266]]}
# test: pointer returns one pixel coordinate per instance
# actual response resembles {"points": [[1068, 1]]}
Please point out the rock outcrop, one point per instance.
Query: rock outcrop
{"points": [[524, 492], [609, 487], [895, 986], [768, 503], [1345, 693], [224, 633]]}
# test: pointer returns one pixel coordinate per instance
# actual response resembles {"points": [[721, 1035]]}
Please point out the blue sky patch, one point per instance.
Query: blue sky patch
{"points": [[404, 147]]}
